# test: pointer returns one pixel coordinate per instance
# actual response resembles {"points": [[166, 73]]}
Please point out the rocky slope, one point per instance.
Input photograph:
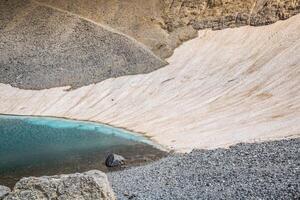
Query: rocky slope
{"points": [[42, 47], [140, 19], [163, 25], [219, 14]]}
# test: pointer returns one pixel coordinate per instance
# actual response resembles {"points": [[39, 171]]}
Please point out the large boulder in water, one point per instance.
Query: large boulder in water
{"points": [[4, 191], [80, 186]]}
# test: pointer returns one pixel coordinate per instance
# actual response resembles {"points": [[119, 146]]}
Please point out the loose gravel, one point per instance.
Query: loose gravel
{"points": [[269, 170]]}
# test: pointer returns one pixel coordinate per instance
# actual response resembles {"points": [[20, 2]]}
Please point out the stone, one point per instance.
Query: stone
{"points": [[4, 191], [80, 186], [114, 160]]}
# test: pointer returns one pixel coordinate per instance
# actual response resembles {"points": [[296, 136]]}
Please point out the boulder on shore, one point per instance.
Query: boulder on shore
{"points": [[80, 186], [114, 160]]}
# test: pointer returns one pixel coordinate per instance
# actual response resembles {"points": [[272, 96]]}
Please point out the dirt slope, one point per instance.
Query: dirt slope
{"points": [[42, 47]]}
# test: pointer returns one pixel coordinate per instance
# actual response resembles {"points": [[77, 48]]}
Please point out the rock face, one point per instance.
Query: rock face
{"points": [[114, 160], [42, 47], [4, 191], [89, 185], [180, 15], [220, 14], [162, 25]]}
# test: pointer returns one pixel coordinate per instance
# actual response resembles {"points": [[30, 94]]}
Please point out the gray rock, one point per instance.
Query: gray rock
{"points": [[80, 186], [4, 191], [114, 160]]}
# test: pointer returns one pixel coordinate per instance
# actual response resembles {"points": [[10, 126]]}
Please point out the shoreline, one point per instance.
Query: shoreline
{"points": [[261, 170], [132, 135], [149, 140], [32, 159]]}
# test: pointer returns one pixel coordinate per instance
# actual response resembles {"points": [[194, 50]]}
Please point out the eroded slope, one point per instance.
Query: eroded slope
{"points": [[41, 47]]}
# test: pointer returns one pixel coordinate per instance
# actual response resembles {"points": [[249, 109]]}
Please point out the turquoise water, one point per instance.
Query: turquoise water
{"points": [[45, 146]]}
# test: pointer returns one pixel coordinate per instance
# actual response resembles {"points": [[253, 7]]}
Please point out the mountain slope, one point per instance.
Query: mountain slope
{"points": [[224, 87], [163, 25], [42, 47]]}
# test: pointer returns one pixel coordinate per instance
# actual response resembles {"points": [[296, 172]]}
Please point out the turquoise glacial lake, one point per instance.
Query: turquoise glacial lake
{"points": [[36, 146]]}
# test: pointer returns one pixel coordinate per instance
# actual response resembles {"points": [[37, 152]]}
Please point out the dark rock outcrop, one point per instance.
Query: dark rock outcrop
{"points": [[220, 14]]}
